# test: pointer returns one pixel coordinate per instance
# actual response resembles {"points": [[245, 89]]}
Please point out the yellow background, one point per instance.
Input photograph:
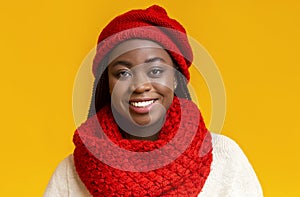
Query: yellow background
{"points": [[254, 43]]}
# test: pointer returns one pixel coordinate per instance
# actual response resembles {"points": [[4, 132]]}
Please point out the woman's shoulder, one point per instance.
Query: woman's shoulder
{"points": [[227, 152], [231, 172], [226, 147], [65, 181], [65, 168]]}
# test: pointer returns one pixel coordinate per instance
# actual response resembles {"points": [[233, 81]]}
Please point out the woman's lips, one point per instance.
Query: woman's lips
{"points": [[141, 106]]}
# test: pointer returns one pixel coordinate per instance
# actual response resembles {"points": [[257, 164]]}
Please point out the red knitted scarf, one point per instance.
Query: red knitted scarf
{"points": [[177, 164]]}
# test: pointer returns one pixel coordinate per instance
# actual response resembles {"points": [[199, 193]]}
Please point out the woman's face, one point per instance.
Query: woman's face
{"points": [[141, 81]]}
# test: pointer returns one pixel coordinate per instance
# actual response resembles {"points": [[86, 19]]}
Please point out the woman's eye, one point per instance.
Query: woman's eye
{"points": [[156, 72], [124, 74]]}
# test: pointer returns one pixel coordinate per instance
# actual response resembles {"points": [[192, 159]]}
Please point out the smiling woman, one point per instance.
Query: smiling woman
{"points": [[143, 135], [141, 84]]}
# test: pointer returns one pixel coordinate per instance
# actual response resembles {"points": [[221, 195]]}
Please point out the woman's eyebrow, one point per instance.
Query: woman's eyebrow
{"points": [[121, 62], [129, 64]]}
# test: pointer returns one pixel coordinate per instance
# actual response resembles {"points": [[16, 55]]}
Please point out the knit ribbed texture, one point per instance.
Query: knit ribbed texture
{"points": [[153, 24], [185, 176]]}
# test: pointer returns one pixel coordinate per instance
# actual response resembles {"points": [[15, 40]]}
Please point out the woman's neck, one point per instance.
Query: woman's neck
{"points": [[133, 137]]}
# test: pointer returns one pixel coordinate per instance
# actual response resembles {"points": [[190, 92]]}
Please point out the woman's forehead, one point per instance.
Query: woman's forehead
{"points": [[130, 45]]}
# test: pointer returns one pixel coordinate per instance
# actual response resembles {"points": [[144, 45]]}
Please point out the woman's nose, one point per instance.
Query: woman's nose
{"points": [[140, 83]]}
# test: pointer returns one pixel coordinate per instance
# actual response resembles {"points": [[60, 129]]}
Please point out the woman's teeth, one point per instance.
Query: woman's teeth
{"points": [[142, 103]]}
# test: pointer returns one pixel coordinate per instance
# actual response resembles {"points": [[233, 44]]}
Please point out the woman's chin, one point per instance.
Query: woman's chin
{"points": [[148, 119], [143, 121]]}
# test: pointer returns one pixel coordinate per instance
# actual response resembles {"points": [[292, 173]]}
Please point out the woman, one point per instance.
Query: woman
{"points": [[144, 136]]}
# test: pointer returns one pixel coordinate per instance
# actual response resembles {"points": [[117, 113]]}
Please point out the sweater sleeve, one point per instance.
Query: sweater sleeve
{"points": [[245, 182], [58, 184], [232, 174]]}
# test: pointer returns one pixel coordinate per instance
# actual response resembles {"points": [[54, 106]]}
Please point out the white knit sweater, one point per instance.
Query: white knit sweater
{"points": [[231, 175]]}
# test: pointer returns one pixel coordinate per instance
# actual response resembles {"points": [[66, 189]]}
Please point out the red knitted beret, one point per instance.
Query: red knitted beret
{"points": [[153, 24]]}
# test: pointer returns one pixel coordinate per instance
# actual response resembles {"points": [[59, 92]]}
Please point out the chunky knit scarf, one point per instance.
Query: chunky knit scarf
{"points": [[177, 164]]}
